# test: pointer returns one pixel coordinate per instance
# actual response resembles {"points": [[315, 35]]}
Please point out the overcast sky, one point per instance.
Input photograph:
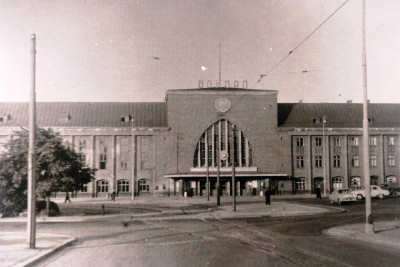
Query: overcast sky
{"points": [[103, 50]]}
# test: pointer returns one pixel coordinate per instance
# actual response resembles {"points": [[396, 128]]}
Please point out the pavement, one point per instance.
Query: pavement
{"points": [[14, 250]]}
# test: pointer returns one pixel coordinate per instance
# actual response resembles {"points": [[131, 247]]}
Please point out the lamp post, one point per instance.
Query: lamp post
{"points": [[369, 227], [233, 169], [323, 152], [31, 223]]}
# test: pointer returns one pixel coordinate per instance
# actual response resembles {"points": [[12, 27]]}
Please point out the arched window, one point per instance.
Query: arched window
{"points": [[143, 185], [102, 186], [301, 183], [123, 186], [219, 137], [337, 182]]}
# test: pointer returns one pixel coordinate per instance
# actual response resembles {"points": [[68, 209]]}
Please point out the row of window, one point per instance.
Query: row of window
{"points": [[145, 153], [354, 141], [355, 161], [122, 186], [338, 182]]}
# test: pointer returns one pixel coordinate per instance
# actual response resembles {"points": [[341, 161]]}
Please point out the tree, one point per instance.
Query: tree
{"points": [[58, 168]]}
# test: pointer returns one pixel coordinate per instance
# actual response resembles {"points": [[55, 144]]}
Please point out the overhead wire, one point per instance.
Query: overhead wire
{"points": [[302, 42]]}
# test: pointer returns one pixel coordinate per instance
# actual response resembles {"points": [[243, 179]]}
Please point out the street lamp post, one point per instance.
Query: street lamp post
{"points": [[323, 152]]}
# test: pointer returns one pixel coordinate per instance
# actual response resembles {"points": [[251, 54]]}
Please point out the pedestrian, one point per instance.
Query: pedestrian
{"points": [[318, 192], [267, 197], [113, 194], [67, 197]]}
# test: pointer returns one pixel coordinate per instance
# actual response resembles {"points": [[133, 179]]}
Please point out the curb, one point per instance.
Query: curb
{"points": [[370, 238], [45, 254]]}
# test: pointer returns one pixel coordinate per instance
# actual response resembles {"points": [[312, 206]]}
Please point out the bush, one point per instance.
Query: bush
{"points": [[14, 211]]}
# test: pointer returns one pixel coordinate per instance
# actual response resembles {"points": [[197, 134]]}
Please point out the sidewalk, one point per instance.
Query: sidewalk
{"points": [[387, 233]]}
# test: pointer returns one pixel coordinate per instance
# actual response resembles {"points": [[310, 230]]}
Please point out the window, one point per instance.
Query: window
{"points": [[220, 136], [318, 141], [146, 153], [103, 158], [84, 188], [337, 182], [355, 161], [124, 153], [82, 145], [102, 186], [372, 141], [123, 186], [390, 141], [300, 162], [143, 186], [336, 141], [83, 159], [355, 182], [301, 184], [372, 160], [391, 160], [300, 141], [318, 161], [354, 141], [392, 179], [336, 161]]}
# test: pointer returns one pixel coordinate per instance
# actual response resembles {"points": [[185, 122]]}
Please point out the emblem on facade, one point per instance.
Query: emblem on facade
{"points": [[222, 104], [223, 155]]}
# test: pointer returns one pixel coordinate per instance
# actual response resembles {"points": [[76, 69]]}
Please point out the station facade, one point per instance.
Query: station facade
{"points": [[174, 147]]}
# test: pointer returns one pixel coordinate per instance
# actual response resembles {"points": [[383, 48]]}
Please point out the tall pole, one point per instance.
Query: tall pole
{"points": [[219, 65], [218, 163], [208, 169], [323, 152], [133, 159], [369, 227], [233, 169], [31, 223]]}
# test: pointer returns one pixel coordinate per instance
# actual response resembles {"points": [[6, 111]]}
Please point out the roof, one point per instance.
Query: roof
{"points": [[86, 114], [338, 115], [220, 91]]}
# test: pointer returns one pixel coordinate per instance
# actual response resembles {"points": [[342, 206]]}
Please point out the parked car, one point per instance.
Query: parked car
{"points": [[376, 191], [342, 195], [391, 187]]}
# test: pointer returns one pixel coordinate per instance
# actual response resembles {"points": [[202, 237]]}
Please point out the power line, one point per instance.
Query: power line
{"points": [[305, 39]]}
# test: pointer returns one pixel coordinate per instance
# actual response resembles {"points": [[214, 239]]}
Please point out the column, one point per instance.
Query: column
{"points": [[94, 165]]}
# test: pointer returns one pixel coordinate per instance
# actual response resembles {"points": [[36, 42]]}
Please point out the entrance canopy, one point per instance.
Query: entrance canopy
{"points": [[249, 176]]}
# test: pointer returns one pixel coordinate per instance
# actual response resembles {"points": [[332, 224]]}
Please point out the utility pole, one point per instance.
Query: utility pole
{"points": [[218, 163], [233, 169], [323, 152], [133, 158], [208, 169], [369, 227], [31, 223], [219, 65]]}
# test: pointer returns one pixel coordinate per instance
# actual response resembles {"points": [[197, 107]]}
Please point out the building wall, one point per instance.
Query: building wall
{"points": [[189, 115]]}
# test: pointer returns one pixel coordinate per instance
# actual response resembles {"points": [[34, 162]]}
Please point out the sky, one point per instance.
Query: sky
{"points": [[134, 51]]}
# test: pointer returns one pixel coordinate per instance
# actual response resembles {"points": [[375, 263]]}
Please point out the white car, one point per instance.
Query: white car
{"points": [[376, 191], [342, 195]]}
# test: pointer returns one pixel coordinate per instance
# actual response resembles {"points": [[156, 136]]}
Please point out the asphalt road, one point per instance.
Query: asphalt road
{"points": [[265, 241]]}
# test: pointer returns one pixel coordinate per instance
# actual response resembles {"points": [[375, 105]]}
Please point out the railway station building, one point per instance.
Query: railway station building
{"points": [[173, 147]]}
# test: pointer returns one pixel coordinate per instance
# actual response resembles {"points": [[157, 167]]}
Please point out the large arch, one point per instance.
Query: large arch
{"points": [[218, 137]]}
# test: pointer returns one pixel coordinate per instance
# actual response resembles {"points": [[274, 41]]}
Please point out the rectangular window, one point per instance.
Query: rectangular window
{"points": [[336, 141], [124, 153], [146, 153], [355, 161], [82, 145], [336, 161], [391, 160], [372, 160], [318, 161], [354, 141], [103, 157], [372, 141], [300, 141], [83, 159], [390, 141], [318, 141], [300, 162]]}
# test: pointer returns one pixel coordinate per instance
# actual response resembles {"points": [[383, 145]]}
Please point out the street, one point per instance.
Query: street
{"points": [[265, 241]]}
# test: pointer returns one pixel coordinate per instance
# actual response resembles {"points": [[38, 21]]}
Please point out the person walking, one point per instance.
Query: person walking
{"points": [[67, 197], [113, 196], [318, 192], [267, 197]]}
